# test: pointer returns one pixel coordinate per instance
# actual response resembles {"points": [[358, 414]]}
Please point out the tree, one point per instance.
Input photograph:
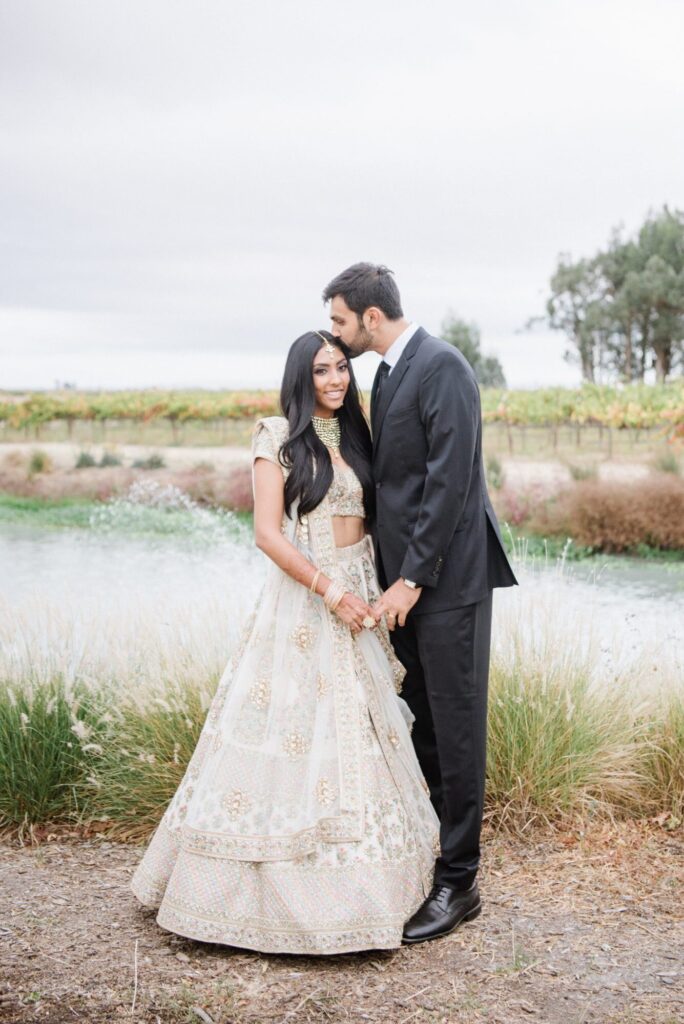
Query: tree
{"points": [[623, 310], [466, 338], [575, 308]]}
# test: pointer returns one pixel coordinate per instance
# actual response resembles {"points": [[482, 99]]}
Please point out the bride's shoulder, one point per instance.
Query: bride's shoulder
{"points": [[270, 433], [275, 425]]}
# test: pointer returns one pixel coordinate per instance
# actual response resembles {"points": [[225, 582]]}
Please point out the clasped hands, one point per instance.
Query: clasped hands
{"points": [[395, 604]]}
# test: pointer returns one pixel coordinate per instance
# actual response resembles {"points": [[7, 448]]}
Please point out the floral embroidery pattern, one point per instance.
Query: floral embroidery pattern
{"points": [[295, 745], [260, 693], [303, 637], [236, 804], [325, 794]]}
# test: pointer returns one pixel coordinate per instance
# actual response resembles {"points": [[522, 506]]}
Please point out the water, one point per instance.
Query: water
{"points": [[156, 584]]}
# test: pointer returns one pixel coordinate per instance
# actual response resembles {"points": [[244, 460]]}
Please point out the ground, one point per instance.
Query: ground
{"points": [[576, 929]]}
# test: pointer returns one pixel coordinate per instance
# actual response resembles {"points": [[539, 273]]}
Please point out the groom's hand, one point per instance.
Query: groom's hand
{"points": [[396, 603]]}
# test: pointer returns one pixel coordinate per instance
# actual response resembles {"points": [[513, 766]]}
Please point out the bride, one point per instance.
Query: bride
{"points": [[303, 823]]}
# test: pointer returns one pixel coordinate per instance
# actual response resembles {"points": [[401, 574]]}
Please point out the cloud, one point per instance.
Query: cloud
{"points": [[193, 174]]}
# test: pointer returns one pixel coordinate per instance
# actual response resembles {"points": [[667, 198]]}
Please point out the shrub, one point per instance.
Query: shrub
{"points": [[39, 462], [494, 473], [518, 506], [236, 491], [85, 461], [586, 472], [667, 462], [614, 517], [151, 462], [109, 459]]}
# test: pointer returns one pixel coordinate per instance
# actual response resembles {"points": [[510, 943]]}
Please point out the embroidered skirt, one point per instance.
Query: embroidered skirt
{"points": [[278, 839]]}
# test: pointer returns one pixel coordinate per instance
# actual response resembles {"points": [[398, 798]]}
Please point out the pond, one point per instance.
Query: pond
{"points": [[154, 583]]}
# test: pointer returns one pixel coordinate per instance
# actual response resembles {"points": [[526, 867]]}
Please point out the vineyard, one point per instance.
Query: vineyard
{"points": [[632, 408]]}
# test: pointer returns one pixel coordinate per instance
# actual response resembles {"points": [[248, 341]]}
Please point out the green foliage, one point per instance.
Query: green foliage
{"points": [[583, 472], [557, 748], [44, 729], [109, 459], [495, 473], [667, 462], [637, 406], [143, 759], [41, 512], [85, 461], [466, 338], [665, 757], [623, 310], [39, 462], [151, 462]]}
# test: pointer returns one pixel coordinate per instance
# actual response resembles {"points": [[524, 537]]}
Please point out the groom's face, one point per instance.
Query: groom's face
{"points": [[347, 326]]}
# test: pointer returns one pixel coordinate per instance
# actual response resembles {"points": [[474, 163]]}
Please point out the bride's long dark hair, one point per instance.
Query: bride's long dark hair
{"points": [[304, 454]]}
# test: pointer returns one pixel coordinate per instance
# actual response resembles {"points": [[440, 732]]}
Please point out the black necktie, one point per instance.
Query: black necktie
{"points": [[381, 377], [378, 384]]}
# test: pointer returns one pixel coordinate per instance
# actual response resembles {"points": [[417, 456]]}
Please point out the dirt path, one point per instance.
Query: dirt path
{"points": [[575, 930]]}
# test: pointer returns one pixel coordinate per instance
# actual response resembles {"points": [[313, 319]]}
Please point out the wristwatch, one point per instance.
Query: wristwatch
{"points": [[411, 584]]}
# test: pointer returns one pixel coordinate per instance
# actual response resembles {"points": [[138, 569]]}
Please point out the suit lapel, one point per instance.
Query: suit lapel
{"points": [[391, 385]]}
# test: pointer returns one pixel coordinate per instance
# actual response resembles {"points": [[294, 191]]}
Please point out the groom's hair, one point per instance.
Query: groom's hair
{"points": [[367, 284]]}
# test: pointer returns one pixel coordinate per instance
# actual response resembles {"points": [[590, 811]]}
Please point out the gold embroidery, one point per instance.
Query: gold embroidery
{"points": [[295, 745], [260, 693], [325, 794], [393, 737], [321, 685], [345, 496], [303, 637], [236, 804]]}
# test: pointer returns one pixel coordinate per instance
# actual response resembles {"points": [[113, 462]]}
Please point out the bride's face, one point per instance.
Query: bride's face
{"points": [[331, 380]]}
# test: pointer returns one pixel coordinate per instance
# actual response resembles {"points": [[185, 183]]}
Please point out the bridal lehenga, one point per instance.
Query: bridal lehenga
{"points": [[303, 823]]}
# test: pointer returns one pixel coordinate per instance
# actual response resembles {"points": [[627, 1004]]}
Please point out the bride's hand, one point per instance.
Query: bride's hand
{"points": [[353, 611]]}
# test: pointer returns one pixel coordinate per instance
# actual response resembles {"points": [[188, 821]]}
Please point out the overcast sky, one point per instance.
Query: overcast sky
{"points": [[181, 178]]}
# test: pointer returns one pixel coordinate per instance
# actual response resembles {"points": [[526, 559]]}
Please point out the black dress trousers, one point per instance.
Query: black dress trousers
{"points": [[446, 656]]}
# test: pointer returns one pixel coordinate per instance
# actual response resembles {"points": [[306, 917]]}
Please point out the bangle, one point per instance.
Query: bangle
{"points": [[333, 595], [314, 581]]}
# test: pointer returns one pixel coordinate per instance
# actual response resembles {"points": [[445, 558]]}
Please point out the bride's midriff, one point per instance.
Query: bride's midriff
{"points": [[347, 530]]}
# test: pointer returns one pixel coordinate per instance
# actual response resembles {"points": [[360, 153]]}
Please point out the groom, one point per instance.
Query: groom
{"points": [[439, 555]]}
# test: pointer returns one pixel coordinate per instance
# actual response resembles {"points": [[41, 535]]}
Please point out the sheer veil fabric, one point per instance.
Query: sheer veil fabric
{"points": [[302, 823]]}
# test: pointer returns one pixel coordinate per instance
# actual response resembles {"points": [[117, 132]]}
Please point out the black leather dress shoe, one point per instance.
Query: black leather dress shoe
{"points": [[443, 910]]}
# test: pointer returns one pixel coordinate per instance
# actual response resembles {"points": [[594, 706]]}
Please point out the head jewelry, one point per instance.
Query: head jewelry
{"points": [[328, 347]]}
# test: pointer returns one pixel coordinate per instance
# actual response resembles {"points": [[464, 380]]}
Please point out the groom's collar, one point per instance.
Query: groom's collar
{"points": [[394, 352]]}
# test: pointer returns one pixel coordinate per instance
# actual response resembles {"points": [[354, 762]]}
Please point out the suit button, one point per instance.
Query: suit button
{"points": [[379, 484]]}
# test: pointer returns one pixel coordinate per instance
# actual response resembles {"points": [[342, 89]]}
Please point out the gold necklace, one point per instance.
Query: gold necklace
{"points": [[328, 429]]}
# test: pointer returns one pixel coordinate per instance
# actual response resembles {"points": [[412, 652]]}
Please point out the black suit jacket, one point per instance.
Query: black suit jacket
{"points": [[434, 521]]}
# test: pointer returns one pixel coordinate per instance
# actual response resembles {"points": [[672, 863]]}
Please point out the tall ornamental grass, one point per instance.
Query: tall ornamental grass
{"points": [[665, 756], [559, 750], [48, 732], [133, 777]]}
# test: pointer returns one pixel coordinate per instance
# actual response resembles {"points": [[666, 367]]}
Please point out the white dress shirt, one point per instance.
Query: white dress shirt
{"points": [[393, 353]]}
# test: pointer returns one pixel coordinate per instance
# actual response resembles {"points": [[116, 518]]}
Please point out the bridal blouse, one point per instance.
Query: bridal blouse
{"points": [[303, 823]]}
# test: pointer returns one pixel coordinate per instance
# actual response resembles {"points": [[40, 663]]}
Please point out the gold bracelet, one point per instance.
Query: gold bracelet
{"points": [[314, 582], [334, 593]]}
